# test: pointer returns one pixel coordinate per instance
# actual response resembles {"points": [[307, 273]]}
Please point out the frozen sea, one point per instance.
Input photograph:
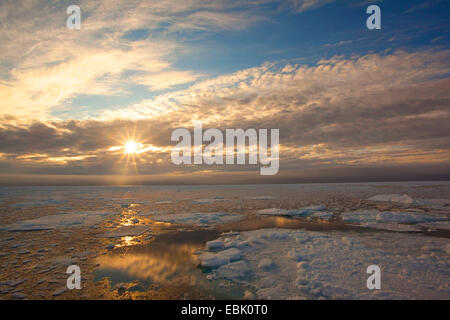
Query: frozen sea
{"points": [[298, 241]]}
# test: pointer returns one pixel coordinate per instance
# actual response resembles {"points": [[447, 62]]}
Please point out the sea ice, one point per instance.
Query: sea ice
{"points": [[399, 198], [436, 203], [333, 265], [207, 201], [266, 264], [405, 199], [399, 227], [59, 291], [199, 219], [19, 295], [262, 198], [66, 220], [215, 244], [311, 210], [220, 258], [442, 225], [233, 271], [37, 203], [365, 216], [324, 215]]}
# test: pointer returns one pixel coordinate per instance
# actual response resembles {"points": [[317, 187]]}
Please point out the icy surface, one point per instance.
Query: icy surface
{"points": [[391, 221], [37, 203], [389, 217], [295, 212], [436, 203], [217, 259], [325, 215], [199, 218], [406, 199], [207, 201], [391, 226], [306, 264], [262, 198], [442, 225], [66, 220], [399, 198]]}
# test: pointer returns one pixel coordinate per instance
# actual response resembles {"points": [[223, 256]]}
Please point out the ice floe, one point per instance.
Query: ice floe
{"points": [[373, 215], [405, 199], [66, 220], [399, 227], [198, 218], [392, 221], [262, 198], [398, 198], [207, 201], [324, 215], [19, 295], [209, 259], [38, 203], [441, 225], [314, 265], [266, 264], [436, 203], [311, 210]]}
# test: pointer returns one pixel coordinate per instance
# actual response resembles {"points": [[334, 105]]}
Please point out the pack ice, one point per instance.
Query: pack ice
{"points": [[198, 218], [66, 220], [292, 264]]}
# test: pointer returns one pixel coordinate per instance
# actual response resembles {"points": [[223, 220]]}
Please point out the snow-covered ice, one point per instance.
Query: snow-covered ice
{"points": [[373, 215], [38, 203], [215, 244], [324, 215], [262, 198], [66, 220], [398, 227], [198, 218], [311, 210], [398, 198], [207, 201], [442, 225], [392, 221], [307, 264], [406, 199], [209, 259]]}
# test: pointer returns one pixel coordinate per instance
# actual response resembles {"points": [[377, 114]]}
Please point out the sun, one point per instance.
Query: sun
{"points": [[131, 147]]}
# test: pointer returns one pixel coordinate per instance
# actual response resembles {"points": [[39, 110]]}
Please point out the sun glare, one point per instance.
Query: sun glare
{"points": [[131, 147]]}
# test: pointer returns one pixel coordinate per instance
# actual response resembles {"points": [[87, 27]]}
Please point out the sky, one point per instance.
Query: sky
{"points": [[351, 104]]}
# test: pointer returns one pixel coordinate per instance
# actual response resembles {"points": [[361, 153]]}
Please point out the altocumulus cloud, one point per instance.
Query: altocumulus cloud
{"points": [[373, 110]]}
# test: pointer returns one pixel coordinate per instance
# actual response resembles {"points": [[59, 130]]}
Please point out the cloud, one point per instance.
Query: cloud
{"points": [[45, 65], [424, 5], [379, 110], [376, 110], [167, 79], [303, 5]]}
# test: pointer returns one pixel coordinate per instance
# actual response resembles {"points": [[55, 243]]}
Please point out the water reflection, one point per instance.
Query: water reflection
{"points": [[259, 222], [168, 260], [128, 241]]}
